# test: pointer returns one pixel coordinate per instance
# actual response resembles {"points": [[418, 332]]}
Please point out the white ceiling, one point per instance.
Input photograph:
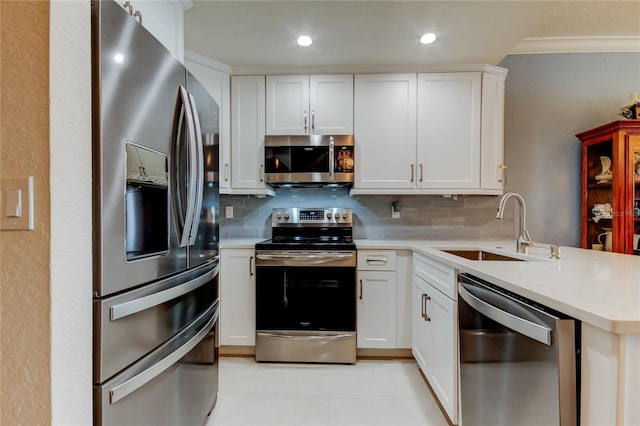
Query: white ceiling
{"points": [[261, 34]]}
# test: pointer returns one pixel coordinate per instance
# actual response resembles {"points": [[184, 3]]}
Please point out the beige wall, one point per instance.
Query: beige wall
{"points": [[24, 255]]}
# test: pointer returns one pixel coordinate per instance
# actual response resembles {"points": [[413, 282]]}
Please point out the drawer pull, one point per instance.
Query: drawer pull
{"points": [[377, 261]]}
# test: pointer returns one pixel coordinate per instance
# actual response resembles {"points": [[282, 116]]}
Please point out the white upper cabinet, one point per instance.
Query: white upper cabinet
{"points": [[430, 133], [309, 105], [165, 20], [448, 143], [247, 134], [385, 131], [493, 171]]}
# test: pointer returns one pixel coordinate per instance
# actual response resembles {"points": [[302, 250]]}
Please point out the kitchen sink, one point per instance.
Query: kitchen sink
{"points": [[476, 254]]}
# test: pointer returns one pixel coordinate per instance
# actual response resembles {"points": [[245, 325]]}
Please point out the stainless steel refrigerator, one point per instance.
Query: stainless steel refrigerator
{"points": [[155, 238]]}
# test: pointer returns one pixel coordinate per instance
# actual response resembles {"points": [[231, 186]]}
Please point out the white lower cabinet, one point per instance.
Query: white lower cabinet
{"points": [[376, 287], [237, 297], [434, 335], [376, 309]]}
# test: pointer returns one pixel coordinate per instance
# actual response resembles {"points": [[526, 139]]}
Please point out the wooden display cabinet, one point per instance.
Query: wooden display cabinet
{"points": [[618, 141]]}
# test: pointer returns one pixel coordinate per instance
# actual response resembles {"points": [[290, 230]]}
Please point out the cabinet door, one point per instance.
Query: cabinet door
{"points": [[448, 141], [331, 104], [247, 132], [385, 131], [165, 20], [237, 297], [376, 309], [421, 330], [217, 84], [631, 238], [492, 168], [288, 105], [443, 350]]}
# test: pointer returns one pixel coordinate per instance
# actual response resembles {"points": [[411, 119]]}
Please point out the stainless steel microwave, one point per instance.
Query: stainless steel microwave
{"points": [[313, 160]]}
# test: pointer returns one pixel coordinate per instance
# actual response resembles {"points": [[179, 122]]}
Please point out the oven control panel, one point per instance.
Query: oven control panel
{"points": [[311, 216]]}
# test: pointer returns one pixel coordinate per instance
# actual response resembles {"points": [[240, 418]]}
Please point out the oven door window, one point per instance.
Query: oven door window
{"points": [[306, 298]]}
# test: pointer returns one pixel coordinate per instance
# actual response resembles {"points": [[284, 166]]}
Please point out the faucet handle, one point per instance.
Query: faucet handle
{"points": [[555, 252]]}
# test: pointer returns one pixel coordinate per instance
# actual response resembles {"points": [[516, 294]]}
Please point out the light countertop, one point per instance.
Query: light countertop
{"points": [[599, 288]]}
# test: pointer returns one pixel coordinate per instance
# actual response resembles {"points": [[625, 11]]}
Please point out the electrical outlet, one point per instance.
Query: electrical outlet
{"points": [[228, 212], [395, 214]]}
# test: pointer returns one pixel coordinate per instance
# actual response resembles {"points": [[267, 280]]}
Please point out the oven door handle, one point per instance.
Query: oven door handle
{"points": [[306, 338], [307, 258]]}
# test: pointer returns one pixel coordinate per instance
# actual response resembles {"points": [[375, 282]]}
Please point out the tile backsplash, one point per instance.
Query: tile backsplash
{"points": [[421, 217]]}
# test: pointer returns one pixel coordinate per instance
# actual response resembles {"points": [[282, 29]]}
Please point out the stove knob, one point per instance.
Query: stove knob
{"points": [[279, 215], [329, 215], [286, 216], [344, 215]]}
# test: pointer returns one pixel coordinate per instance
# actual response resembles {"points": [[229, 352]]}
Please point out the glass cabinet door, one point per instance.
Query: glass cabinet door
{"points": [[632, 237], [599, 195]]}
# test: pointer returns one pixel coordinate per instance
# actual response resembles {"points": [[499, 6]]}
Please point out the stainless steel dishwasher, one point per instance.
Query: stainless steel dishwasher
{"points": [[518, 360]]}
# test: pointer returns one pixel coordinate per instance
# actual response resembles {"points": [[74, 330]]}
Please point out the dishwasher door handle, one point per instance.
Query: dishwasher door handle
{"points": [[530, 329]]}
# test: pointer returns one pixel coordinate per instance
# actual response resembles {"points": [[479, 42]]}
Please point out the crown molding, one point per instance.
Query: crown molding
{"points": [[366, 69], [577, 45], [206, 62]]}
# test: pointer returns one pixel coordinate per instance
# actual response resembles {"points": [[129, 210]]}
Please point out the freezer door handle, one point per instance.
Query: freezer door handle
{"points": [[139, 380], [138, 305]]}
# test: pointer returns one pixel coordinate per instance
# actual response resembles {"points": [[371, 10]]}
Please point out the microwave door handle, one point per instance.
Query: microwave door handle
{"points": [[331, 158], [191, 161], [198, 171]]}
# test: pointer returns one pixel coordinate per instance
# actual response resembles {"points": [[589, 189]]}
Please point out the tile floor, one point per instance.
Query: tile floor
{"points": [[368, 393]]}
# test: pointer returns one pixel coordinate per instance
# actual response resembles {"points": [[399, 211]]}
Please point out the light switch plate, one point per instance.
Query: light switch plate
{"points": [[10, 186], [228, 212]]}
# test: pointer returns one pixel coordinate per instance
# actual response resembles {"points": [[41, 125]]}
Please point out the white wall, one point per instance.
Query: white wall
{"points": [[549, 99], [70, 165]]}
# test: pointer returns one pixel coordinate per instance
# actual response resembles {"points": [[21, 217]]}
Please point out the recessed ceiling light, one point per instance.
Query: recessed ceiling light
{"points": [[304, 40], [428, 38]]}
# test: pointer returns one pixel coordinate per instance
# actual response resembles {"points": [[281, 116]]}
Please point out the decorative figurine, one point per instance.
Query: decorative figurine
{"points": [[606, 174]]}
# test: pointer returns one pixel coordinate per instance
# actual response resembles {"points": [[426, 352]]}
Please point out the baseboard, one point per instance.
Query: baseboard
{"points": [[362, 353], [366, 353], [228, 350]]}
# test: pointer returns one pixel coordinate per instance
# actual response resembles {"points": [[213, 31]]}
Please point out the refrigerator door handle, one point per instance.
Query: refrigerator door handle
{"points": [[139, 380], [140, 304], [197, 172], [191, 161]]}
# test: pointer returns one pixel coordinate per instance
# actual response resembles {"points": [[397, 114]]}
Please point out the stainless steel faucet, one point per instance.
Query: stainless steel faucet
{"points": [[524, 239]]}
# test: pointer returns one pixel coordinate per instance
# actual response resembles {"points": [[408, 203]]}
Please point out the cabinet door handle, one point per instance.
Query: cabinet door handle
{"points": [[305, 121], [422, 306], [226, 171], [503, 172], [412, 173], [251, 266], [425, 299], [360, 289], [313, 121], [421, 172], [261, 172]]}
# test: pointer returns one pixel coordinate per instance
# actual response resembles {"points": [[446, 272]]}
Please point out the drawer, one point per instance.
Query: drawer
{"points": [[376, 260], [439, 275]]}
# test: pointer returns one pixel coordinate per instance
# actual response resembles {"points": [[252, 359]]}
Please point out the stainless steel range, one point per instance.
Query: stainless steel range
{"points": [[306, 287]]}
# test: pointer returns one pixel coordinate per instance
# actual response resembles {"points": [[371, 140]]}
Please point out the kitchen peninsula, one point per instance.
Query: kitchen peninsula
{"points": [[600, 289]]}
